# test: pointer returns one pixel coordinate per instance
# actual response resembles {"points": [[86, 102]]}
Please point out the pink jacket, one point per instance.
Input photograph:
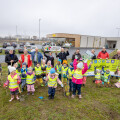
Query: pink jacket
{"points": [[59, 82], [7, 83], [84, 70]]}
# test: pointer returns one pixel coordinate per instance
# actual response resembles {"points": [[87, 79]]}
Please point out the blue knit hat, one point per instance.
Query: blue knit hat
{"points": [[60, 60], [71, 64], [24, 63], [52, 71]]}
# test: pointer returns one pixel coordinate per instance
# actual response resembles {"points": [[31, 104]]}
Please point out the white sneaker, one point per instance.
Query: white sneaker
{"points": [[79, 96], [17, 98], [73, 96], [11, 99]]}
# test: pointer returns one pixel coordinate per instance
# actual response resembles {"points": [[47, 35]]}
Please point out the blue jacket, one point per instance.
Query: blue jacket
{"points": [[40, 56]]}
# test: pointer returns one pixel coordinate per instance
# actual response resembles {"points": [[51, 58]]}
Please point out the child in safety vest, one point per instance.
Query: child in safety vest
{"points": [[118, 75], [52, 79], [23, 76], [18, 69], [30, 80], [106, 77], [48, 68], [70, 75], [43, 67], [65, 80], [58, 68], [13, 80], [38, 73], [77, 78], [97, 73]]}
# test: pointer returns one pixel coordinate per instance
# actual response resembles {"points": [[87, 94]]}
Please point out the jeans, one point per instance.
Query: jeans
{"points": [[71, 85], [23, 83], [76, 87], [51, 91], [59, 76]]}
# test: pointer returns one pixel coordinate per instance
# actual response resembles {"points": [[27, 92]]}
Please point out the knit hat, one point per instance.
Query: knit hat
{"points": [[24, 63], [52, 71], [30, 68], [60, 60], [71, 64], [80, 65], [11, 69], [65, 62]]}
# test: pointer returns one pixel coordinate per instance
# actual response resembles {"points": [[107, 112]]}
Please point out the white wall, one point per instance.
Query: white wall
{"points": [[90, 41], [83, 42]]}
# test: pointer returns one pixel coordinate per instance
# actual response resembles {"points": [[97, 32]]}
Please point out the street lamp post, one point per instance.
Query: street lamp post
{"points": [[39, 30]]}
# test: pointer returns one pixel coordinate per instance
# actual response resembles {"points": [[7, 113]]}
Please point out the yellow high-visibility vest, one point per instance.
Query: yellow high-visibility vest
{"points": [[38, 70], [29, 79], [59, 66], [70, 73], [78, 74], [13, 81], [98, 76], [52, 82], [64, 70], [48, 69]]}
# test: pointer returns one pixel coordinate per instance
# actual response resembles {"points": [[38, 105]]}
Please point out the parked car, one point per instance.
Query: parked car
{"points": [[21, 49], [14, 44], [0, 50], [22, 44], [9, 48], [33, 48], [32, 43], [4, 45]]}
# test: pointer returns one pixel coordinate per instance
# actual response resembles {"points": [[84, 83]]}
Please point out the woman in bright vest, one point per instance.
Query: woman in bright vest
{"points": [[13, 80], [30, 80], [58, 68], [78, 76], [38, 73], [65, 80], [48, 68], [70, 75], [52, 79]]}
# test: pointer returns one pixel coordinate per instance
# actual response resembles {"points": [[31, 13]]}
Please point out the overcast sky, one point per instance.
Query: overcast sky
{"points": [[85, 17]]}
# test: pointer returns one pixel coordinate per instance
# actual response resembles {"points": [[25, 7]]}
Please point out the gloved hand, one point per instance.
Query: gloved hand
{"points": [[86, 61], [18, 82], [61, 85]]}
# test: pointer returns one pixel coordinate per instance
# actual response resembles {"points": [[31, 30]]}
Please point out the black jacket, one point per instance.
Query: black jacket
{"points": [[8, 58], [94, 57], [51, 58], [63, 56], [78, 55]]}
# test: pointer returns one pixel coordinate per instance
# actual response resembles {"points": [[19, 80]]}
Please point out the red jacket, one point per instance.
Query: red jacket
{"points": [[103, 55], [29, 61]]}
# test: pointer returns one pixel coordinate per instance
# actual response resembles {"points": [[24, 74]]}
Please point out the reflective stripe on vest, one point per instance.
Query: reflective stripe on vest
{"points": [[58, 67], [106, 75], [38, 71], [18, 72], [97, 76], [64, 70], [48, 69], [52, 82], [70, 73], [29, 79], [78, 74], [13, 81]]}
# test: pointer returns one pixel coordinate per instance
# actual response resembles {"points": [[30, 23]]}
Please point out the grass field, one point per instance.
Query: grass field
{"points": [[96, 104]]}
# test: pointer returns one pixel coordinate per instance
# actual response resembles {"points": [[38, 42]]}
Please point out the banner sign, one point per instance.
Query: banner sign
{"points": [[110, 64]]}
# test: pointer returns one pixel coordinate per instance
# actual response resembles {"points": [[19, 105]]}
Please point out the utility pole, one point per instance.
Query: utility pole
{"points": [[39, 30]]}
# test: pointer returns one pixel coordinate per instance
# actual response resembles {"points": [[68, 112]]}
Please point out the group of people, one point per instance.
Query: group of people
{"points": [[21, 75]]}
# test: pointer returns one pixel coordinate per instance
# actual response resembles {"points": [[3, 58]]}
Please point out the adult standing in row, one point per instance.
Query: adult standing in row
{"points": [[117, 56], [93, 52], [103, 54], [62, 55], [11, 58], [76, 55], [25, 58], [36, 56], [49, 58]]}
